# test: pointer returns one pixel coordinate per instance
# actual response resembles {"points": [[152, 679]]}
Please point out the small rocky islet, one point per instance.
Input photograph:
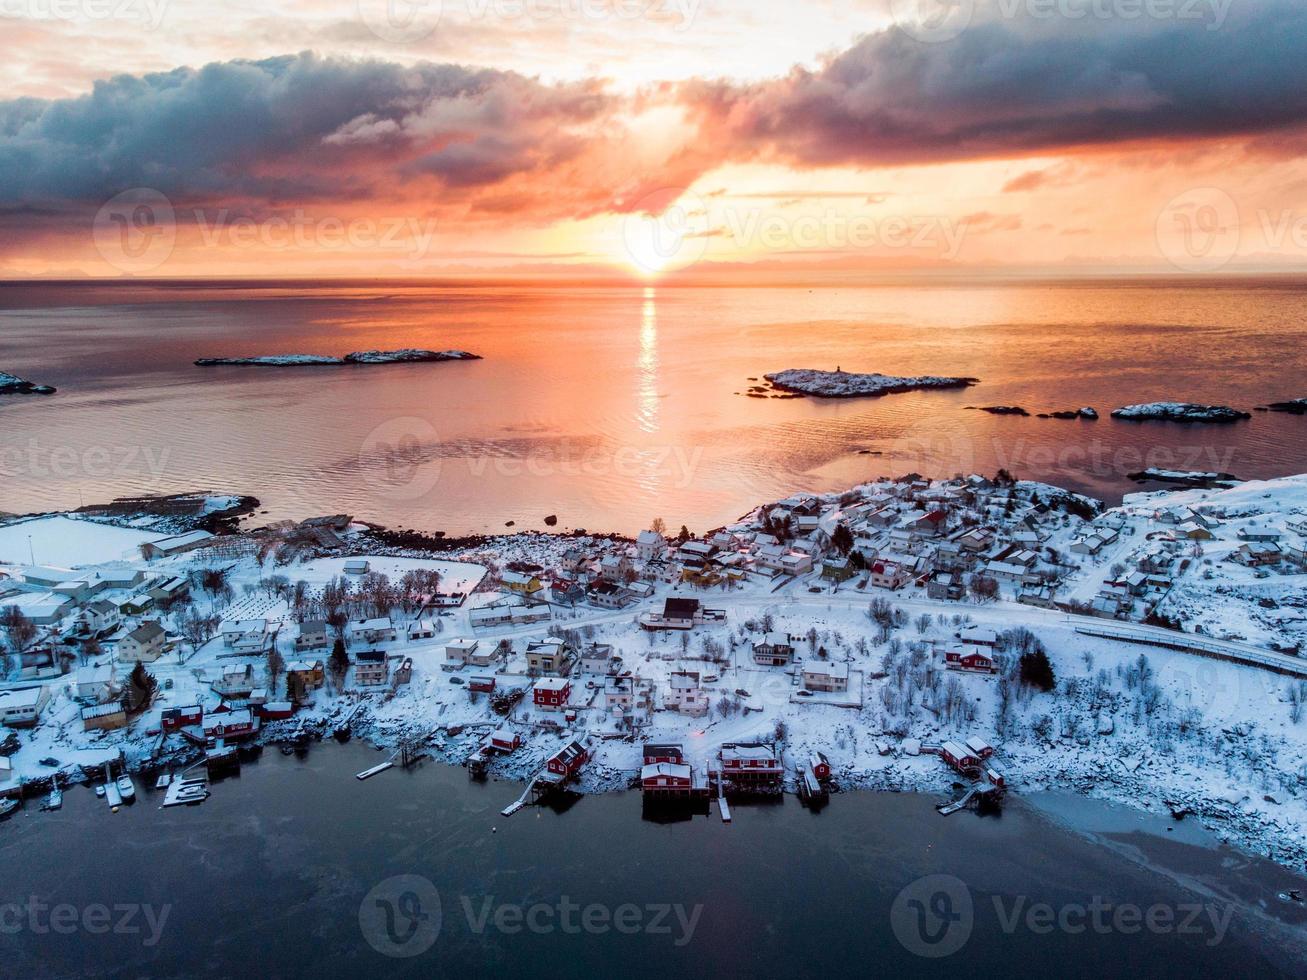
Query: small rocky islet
{"points": [[11, 384], [405, 356]]}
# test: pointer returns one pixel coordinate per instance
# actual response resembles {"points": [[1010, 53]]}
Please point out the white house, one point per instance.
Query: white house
{"points": [[369, 631], [97, 684], [823, 675], [685, 695], [145, 644], [649, 545], [22, 708]]}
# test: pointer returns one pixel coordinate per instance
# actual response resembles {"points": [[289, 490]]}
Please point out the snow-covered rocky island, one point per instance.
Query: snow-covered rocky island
{"points": [[912, 634], [406, 356], [13, 385], [1180, 412], [841, 384]]}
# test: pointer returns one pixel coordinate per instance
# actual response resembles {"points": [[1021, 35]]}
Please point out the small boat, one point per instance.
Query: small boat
{"points": [[56, 798], [99, 791], [7, 807], [126, 788]]}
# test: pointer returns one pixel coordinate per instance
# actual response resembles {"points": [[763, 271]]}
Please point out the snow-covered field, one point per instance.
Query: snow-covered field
{"points": [[69, 542]]}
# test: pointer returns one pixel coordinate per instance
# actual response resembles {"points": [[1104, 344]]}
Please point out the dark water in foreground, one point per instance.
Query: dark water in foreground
{"points": [[267, 879], [610, 406]]}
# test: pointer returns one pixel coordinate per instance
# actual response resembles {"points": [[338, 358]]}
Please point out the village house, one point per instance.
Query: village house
{"points": [[973, 659], [962, 759], [21, 708], [481, 684], [368, 632], [945, 586], [420, 629], [178, 545], [552, 693], [650, 545], [837, 569], [104, 717], [608, 595], [656, 752], [614, 568], [312, 635], [303, 677], [371, 668], [237, 681], [97, 684], [550, 656], [774, 650], [229, 726], [748, 765], [979, 636], [357, 566], [248, 636], [171, 719], [1257, 555], [521, 583], [685, 695], [667, 779], [619, 694], [597, 658], [825, 676], [889, 575], [568, 760], [461, 653], [145, 644], [100, 618], [681, 614]]}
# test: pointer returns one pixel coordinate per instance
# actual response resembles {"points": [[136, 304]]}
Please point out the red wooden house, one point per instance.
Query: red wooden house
{"points": [[275, 710], [229, 725], [981, 748], [504, 741], [568, 760], [820, 766], [969, 658], [481, 684], [960, 758], [666, 778], [655, 753], [552, 693], [175, 718], [754, 764]]}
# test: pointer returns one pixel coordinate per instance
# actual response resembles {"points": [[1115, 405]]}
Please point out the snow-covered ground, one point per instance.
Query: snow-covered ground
{"points": [[1163, 730], [69, 542]]}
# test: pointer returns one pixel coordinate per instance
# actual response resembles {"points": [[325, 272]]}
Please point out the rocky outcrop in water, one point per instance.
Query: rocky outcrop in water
{"points": [[12, 385], [406, 356], [1180, 412], [839, 384], [1296, 407]]}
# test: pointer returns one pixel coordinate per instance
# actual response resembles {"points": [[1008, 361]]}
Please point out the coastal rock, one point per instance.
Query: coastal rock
{"points": [[1180, 412], [405, 356], [840, 384], [1296, 407], [13, 385], [408, 355], [1188, 478], [1088, 414], [1005, 410]]}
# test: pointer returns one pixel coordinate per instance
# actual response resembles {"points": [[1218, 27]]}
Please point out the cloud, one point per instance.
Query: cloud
{"points": [[294, 128], [1011, 87]]}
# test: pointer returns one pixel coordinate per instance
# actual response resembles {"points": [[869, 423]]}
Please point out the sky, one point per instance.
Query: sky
{"points": [[654, 140]]}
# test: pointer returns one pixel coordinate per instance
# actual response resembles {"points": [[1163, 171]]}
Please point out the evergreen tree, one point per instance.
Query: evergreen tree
{"points": [[1036, 671], [339, 662]]}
